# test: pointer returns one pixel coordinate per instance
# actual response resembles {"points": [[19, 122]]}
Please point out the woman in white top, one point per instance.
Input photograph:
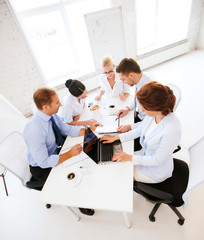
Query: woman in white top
{"points": [[110, 83], [73, 104], [159, 133]]}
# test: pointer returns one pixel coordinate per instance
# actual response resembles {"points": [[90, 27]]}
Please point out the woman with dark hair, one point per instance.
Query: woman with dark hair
{"points": [[73, 104], [159, 132]]}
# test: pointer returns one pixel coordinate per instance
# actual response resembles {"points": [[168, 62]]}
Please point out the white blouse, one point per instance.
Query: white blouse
{"points": [[70, 107], [118, 88]]}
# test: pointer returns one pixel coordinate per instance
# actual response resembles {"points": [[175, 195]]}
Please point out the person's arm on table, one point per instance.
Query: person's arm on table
{"points": [[124, 96], [98, 98], [123, 112], [80, 123], [75, 150]]}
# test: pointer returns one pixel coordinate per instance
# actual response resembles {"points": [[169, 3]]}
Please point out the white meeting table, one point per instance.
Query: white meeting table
{"points": [[104, 187]]}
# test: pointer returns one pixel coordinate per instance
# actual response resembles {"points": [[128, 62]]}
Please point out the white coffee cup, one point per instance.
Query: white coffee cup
{"points": [[74, 178], [111, 109]]}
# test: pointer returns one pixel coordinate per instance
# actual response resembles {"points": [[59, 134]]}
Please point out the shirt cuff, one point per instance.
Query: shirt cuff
{"points": [[136, 159], [122, 137]]}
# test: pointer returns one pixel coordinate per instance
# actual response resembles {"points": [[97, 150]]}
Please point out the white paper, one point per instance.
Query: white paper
{"points": [[70, 142], [110, 125], [73, 160]]}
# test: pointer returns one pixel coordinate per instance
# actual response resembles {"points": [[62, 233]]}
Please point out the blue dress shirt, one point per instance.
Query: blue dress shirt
{"points": [[40, 139]]}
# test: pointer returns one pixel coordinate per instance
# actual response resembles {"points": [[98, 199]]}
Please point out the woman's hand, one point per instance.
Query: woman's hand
{"points": [[109, 139], [90, 122], [121, 157], [97, 98], [124, 128], [75, 150], [76, 118], [122, 112], [94, 125]]}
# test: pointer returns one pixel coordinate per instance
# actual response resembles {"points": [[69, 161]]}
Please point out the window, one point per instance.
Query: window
{"points": [[160, 23], [57, 34]]}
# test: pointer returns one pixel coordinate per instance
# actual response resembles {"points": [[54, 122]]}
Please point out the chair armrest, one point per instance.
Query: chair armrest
{"points": [[153, 194]]}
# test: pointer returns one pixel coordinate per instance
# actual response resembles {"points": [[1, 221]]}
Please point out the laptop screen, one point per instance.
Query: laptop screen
{"points": [[91, 146]]}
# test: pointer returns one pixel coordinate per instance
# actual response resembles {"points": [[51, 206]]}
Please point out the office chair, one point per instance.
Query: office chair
{"points": [[11, 119], [177, 93], [13, 157], [169, 192]]}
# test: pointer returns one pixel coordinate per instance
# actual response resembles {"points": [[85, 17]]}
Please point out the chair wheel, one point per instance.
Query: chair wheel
{"points": [[152, 218], [181, 222], [48, 205]]}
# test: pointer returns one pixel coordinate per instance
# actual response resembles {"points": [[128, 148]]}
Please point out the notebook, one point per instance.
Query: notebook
{"points": [[100, 153]]}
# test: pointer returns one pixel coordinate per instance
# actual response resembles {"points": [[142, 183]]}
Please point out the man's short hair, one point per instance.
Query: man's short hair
{"points": [[43, 96], [128, 65]]}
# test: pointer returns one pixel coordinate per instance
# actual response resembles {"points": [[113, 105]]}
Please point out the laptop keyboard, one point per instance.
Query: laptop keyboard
{"points": [[107, 152]]}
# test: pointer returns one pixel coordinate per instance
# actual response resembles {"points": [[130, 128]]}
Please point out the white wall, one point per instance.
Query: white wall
{"points": [[200, 43], [195, 21], [19, 75]]}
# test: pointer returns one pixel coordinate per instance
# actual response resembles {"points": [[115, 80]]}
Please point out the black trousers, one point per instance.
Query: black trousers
{"points": [[137, 145], [39, 174]]}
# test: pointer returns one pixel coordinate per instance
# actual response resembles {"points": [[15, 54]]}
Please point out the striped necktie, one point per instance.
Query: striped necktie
{"points": [[59, 139]]}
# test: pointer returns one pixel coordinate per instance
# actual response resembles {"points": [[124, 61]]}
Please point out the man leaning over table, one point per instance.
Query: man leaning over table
{"points": [[41, 135], [131, 74]]}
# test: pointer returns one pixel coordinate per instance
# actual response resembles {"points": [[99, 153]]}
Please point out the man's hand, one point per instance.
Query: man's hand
{"points": [[124, 128], [75, 150], [122, 97]]}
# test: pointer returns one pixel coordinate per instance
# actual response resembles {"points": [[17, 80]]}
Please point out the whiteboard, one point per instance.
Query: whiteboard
{"points": [[106, 35]]}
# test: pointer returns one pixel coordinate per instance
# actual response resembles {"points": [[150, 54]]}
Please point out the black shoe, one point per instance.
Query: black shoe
{"points": [[87, 211]]}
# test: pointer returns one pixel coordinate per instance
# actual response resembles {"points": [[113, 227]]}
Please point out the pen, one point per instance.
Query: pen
{"points": [[118, 116]]}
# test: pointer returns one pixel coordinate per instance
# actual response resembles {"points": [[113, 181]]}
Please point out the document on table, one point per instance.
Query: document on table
{"points": [[69, 143], [110, 125], [73, 160]]}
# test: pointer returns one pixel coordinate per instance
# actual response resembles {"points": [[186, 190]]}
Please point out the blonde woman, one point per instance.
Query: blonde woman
{"points": [[110, 83]]}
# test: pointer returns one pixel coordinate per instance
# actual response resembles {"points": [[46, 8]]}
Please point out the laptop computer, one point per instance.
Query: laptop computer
{"points": [[100, 153]]}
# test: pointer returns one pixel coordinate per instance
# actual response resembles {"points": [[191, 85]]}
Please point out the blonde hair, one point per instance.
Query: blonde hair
{"points": [[107, 61]]}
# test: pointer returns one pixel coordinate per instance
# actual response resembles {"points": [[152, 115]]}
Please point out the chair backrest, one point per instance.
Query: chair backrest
{"points": [[177, 93], [13, 156], [196, 166], [11, 119]]}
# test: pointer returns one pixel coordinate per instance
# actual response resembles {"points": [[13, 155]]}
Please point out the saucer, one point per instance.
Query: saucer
{"points": [[73, 178]]}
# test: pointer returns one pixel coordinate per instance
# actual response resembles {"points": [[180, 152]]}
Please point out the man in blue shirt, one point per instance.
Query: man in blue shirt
{"points": [[41, 138]]}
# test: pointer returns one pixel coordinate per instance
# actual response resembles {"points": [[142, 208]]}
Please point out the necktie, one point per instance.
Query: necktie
{"points": [[58, 136], [135, 101]]}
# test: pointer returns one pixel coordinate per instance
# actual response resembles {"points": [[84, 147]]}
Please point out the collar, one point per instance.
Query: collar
{"points": [[43, 116], [141, 82]]}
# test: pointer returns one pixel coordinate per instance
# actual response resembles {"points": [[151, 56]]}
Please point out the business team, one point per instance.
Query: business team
{"points": [[156, 127]]}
